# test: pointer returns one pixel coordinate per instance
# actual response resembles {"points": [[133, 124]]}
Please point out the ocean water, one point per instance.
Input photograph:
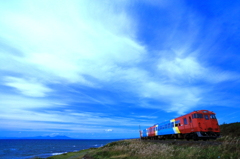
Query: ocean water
{"points": [[30, 148]]}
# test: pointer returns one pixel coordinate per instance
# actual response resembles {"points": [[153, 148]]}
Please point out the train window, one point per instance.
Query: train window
{"points": [[212, 116], [177, 123], [199, 115], [185, 121], [172, 123], [206, 117], [190, 120]]}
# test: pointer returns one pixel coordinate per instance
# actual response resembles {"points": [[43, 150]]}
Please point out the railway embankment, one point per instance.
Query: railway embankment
{"points": [[228, 146], [232, 129]]}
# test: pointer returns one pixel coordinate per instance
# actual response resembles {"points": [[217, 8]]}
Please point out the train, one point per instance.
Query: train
{"points": [[197, 125]]}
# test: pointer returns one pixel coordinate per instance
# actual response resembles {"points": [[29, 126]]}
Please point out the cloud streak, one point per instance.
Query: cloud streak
{"points": [[28, 88], [88, 63]]}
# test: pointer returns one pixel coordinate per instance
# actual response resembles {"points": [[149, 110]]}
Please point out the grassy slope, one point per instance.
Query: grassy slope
{"points": [[136, 149], [232, 129]]}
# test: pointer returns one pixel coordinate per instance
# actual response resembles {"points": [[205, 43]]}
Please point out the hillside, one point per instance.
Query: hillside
{"points": [[228, 146], [232, 129], [137, 149]]}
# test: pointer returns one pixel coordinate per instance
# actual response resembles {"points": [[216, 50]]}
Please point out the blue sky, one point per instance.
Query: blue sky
{"points": [[99, 69]]}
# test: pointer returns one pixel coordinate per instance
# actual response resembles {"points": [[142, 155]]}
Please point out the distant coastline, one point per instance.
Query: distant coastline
{"points": [[45, 147], [40, 137], [58, 137]]}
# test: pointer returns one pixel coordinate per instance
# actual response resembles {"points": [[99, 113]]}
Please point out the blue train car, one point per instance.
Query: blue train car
{"points": [[166, 128], [145, 133]]}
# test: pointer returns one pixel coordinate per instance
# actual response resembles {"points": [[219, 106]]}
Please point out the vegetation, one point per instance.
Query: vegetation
{"points": [[136, 149], [227, 147], [73, 155], [232, 129]]}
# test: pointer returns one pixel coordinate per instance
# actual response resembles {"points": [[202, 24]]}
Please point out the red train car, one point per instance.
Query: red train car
{"points": [[201, 124]]}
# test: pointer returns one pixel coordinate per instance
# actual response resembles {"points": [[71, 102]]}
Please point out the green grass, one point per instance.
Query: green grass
{"points": [[137, 149], [232, 129], [73, 155]]}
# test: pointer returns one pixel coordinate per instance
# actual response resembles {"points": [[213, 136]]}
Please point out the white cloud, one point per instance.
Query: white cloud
{"points": [[72, 41], [28, 88], [50, 120], [81, 42], [177, 98], [53, 134], [189, 69], [109, 130], [181, 67]]}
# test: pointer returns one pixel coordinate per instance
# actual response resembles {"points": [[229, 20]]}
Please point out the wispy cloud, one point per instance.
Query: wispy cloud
{"points": [[109, 130], [83, 62], [28, 88]]}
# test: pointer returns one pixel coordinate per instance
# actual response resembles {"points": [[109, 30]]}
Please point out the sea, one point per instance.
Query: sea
{"points": [[43, 148]]}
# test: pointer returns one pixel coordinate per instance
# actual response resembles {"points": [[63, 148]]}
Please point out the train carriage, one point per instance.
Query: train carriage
{"points": [[201, 124]]}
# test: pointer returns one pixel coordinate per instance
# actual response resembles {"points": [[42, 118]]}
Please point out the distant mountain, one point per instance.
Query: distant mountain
{"points": [[41, 137], [52, 137]]}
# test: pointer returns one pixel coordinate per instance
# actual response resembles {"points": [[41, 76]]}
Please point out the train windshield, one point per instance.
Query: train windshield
{"points": [[197, 116], [206, 117], [212, 116]]}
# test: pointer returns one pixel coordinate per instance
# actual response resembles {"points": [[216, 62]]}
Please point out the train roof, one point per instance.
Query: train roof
{"points": [[195, 111]]}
